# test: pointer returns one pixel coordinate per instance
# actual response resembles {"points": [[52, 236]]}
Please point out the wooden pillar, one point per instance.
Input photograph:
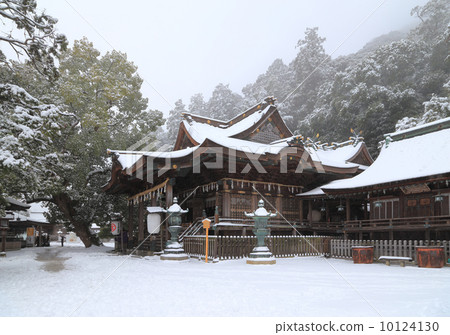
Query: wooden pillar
{"points": [[391, 234], [216, 215], [279, 203], [169, 194], [130, 221], [300, 209], [365, 210], [310, 212], [347, 209], [141, 221], [427, 234], [327, 211], [360, 235], [40, 236], [254, 200], [216, 208], [226, 201]]}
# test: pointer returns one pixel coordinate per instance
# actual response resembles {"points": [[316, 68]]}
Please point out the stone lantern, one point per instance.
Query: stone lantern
{"points": [[261, 253], [174, 250]]}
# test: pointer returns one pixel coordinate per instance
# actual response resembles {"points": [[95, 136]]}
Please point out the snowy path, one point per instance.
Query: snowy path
{"points": [[54, 281], [52, 261]]}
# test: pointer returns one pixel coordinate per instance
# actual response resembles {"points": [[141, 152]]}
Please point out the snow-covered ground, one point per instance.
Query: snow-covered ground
{"points": [[55, 281]]}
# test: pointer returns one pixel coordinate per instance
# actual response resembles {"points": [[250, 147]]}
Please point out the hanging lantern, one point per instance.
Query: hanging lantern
{"points": [[377, 204], [340, 208], [438, 198]]}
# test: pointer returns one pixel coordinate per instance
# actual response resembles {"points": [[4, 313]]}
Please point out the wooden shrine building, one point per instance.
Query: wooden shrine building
{"points": [[222, 168], [404, 194]]}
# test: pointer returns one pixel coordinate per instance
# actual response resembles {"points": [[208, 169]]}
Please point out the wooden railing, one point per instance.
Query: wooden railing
{"points": [[410, 223], [403, 223], [400, 248], [272, 222], [332, 226], [233, 247]]}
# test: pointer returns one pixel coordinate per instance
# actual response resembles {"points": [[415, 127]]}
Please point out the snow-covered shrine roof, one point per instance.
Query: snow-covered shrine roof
{"points": [[236, 134], [338, 157], [418, 152], [201, 130], [15, 204]]}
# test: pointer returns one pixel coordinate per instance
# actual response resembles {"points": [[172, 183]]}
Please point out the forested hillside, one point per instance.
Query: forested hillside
{"points": [[400, 76]]}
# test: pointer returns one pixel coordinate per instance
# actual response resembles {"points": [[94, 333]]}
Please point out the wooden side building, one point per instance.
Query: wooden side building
{"points": [[404, 194]]}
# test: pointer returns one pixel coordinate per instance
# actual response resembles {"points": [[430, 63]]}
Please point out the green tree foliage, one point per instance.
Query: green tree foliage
{"points": [[198, 104], [102, 94], [434, 17], [39, 43], [58, 152], [271, 83], [224, 104], [387, 80], [27, 119], [173, 122], [311, 69], [372, 90]]}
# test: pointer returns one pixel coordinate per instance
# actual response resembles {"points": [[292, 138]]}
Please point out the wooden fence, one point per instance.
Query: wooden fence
{"points": [[232, 247], [343, 248]]}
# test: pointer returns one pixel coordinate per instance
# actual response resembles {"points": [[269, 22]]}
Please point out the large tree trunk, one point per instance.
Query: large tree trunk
{"points": [[65, 205]]}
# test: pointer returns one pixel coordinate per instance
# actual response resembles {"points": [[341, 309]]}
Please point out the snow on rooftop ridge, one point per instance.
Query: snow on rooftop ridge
{"points": [[206, 118], [266, 102], [200, 130], [318, 145], [424, 126], [400, 161], [128, 158]]}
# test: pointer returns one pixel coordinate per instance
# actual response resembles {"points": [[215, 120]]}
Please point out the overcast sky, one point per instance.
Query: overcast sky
{"points": [[187, 47]]}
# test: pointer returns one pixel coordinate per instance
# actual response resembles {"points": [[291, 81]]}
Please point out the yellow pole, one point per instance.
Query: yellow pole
{"points": [[206, 251], [206, 225]]}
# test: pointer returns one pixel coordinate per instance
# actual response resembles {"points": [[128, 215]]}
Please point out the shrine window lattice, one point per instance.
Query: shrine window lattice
{"points": [[239, 205], [290, 209]]}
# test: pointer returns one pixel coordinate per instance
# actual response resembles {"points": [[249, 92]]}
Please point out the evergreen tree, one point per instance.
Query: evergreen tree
{"points": [[40, 44], [174, 120], [272, 83], [434, 17], [102, 93], [311, 68], [59, 152], [198, 104], [224, 104], [26, 120]]}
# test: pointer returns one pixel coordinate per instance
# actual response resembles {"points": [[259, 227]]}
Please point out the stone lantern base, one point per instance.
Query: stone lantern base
{"points": [[261, 255], [174, 252]]}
